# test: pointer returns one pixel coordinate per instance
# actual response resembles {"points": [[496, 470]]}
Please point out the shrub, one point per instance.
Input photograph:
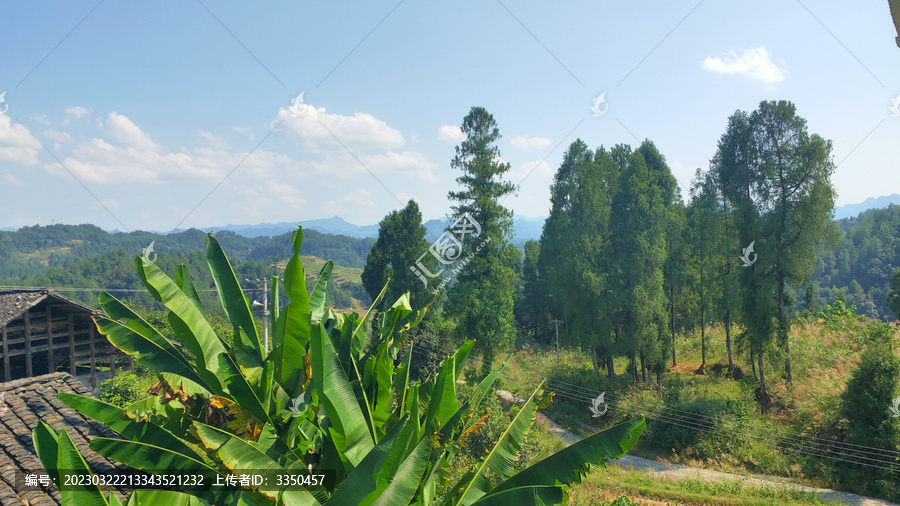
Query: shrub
{"points": [[867, 421], [122, 389]]}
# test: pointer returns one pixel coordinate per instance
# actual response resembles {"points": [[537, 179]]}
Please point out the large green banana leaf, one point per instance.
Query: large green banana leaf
{"points": [[69, 460], [541, 495], [235, 303], [317, 296], [348, 430], [114, 418], [501, 460], [405, 481], [240, 455], [150, 458], [183, 280], [569, 465], [189, 324], [163, 497]]}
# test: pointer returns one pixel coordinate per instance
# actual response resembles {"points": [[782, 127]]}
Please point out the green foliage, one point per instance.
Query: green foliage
{"points": [[482, 297], [838, 316], [860, 268], [123, 389], [867, 420], [328, 396], [400, 246]]}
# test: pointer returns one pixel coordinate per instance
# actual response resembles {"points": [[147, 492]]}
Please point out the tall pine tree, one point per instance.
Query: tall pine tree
{"points": [[482, 297]]}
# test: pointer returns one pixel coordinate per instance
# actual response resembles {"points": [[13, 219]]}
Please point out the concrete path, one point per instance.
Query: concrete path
{"points": [[668, 471]]}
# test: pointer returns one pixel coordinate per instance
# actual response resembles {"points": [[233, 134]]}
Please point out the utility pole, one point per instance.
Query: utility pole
{"points": [[265, 309], [265, 315], [557, 340]]}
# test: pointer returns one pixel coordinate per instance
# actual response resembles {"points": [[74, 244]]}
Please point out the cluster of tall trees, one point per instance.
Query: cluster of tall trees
{"points": [[626, 264], [474, 260], [622, 260]]}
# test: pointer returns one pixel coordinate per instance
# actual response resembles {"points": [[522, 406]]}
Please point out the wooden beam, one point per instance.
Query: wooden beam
{"points": [[28, 369], [112, 366], [51, 366], [93, 361], [72, 344], [6, 371]]}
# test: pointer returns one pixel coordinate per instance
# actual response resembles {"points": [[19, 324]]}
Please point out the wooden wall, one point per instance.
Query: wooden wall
{"points": [[56, 336]]}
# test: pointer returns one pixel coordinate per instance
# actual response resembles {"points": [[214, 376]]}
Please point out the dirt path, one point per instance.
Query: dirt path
{"points": [[678, 472]]}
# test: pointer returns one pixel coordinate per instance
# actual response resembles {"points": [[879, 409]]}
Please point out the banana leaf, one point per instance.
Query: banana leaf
{"points": [[233, 300], [569, 465], [337, 401], [501, 460]]}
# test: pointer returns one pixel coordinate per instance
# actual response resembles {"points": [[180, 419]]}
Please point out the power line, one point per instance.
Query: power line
{"points": [[703, 422]]}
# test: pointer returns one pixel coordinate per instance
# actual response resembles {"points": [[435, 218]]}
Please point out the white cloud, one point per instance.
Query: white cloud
{"points": [[110, 204], [320, 131], [535, 168], [526, 143], [450, 133], [213, 140], [285, 192], [753, 63], [17, 146], [42, 119], [245, 131], [125, 131], [361, 198], [11, 180], [411, 163], [57, 135], [76, 112]]}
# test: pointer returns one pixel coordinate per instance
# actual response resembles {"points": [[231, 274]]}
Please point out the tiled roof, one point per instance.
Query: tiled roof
{"points": [[27, 401], [14, 303]]}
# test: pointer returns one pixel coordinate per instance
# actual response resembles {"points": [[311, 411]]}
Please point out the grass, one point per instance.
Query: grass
{"points": [[606, 486], [740, 437]]}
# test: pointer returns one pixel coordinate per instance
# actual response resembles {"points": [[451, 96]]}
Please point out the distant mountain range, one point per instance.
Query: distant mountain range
{"points": [[853, 210], [523, 228]]}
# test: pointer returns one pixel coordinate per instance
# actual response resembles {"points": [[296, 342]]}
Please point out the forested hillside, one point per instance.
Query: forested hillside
{"points": [[31, 250], [859, 269], [85, 256]]}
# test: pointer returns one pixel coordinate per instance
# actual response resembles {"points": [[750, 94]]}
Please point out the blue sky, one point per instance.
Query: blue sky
{"points": [[151, 116]]}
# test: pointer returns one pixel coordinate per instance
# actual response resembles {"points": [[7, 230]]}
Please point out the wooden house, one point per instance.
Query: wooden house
{"points": [[44, 332]]}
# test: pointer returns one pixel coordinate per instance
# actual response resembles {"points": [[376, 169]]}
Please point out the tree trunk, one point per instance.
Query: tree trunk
{"points": [[783, 331], [672, 320], [753, 364], [728, 340], [643, 370], [658, 381], [610, 367], [763, 396], [595, 360], [702, 369]]}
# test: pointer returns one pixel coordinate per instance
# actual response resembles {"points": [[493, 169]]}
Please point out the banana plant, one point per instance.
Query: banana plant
{"points": [[330, 395]]}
